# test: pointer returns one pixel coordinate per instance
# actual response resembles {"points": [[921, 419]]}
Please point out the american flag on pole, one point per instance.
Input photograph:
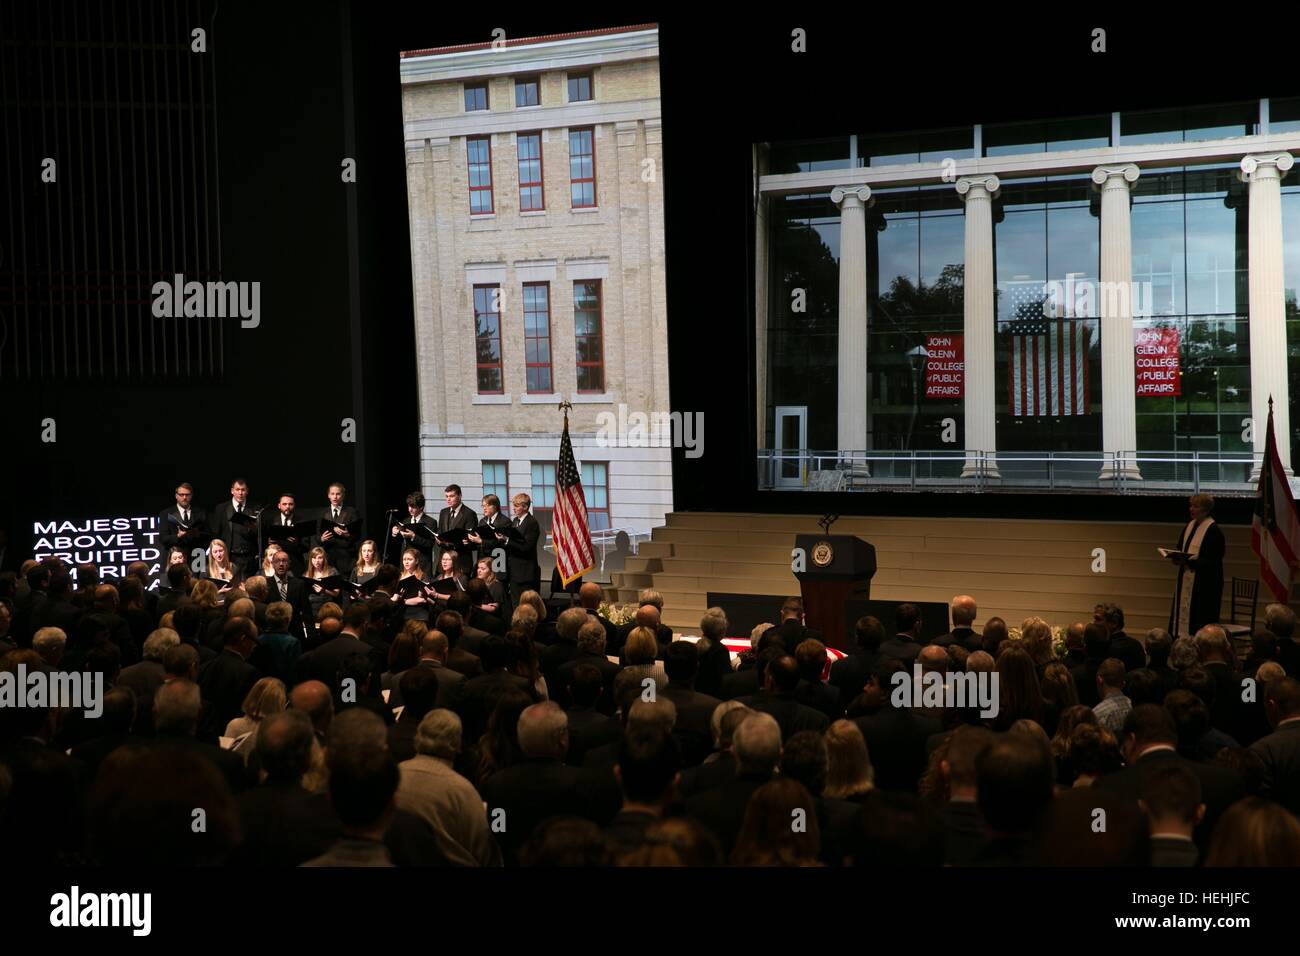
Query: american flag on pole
{"points": [[1048, 371], [1275, 532], [574, 555]]}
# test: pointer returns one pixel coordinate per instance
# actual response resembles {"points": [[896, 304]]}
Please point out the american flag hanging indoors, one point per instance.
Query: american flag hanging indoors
{"points": [[574, 555], [1048, 371]]}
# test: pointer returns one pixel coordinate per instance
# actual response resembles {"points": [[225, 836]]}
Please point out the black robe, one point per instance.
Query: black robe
{"points": [[1207, 587]]}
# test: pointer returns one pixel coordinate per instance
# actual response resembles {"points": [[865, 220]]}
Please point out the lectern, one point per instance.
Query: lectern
{"points": [[836, 568]]}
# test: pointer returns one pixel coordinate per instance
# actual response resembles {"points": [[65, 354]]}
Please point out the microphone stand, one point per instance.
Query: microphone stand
{"points": [[257, 559], [388, 534]]}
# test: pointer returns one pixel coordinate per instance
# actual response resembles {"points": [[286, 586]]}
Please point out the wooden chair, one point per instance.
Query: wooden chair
{"points": [[1241, 635]]}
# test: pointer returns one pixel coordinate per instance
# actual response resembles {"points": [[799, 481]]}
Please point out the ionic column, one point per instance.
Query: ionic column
{"points": [[1264, 171], [852, 407], [980, 324], [1118, 384]]}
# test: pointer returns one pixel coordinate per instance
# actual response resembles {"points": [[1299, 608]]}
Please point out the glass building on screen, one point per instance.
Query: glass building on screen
{"points": [[1093, 302]]}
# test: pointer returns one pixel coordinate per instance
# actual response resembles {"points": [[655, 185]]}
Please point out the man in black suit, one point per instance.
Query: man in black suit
{"points": [[792, 629], [417, 691], [57, 610], [522, 567], [850, 674], [896, 736], [589, 599], [1280, 621], [285, 586], [1215, 652], [564, 649], [339, 543], [589, 727], [415, 514], [241, 539], [1014, 780], [455, 517], [285, 515], [1150, 743], [962, 610], [541, 785], [965, 832], [433, 657], [325, 662], [1171, 800], [183, 524], [1122, 647], [479, 695], [1096, 647], [1280, 750], [591, 652], [778, 699], [756, 745], [747, 679], [694, 710], [720, 765], [810, 655], [906, 644], [226, 680], [283, 823], [177, 706]]}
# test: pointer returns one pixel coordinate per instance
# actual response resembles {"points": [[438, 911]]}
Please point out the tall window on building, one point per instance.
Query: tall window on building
{"points": [[1048, 373], [587, 334], [537, 335], [543, 492], [527, 91], [531, 196], [496, 482], [487, 338], [1190, 304], [595, 489], [476, 97], [478, 151], [582, 167], [579, 87]]}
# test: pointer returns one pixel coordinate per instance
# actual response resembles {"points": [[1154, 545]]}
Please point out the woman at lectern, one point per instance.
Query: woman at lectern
{"points": [[1198, 595]]}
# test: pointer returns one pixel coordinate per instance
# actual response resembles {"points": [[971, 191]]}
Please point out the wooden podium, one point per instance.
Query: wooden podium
{"points": [[837, 568]]}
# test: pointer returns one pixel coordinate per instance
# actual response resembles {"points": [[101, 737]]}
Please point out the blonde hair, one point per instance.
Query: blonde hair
{"points": [[266, 698], [1037, 635], [204, 594], [329, 609], [641, 646], [525, 617], [227, 567], [848, 770], [535, 600]]}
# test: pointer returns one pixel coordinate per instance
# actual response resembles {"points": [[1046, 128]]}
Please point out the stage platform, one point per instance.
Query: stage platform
{"points": [[1014, 568]]}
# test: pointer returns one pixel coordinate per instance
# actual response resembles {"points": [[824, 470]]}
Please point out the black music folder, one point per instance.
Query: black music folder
{"points": [[301, 531]]}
